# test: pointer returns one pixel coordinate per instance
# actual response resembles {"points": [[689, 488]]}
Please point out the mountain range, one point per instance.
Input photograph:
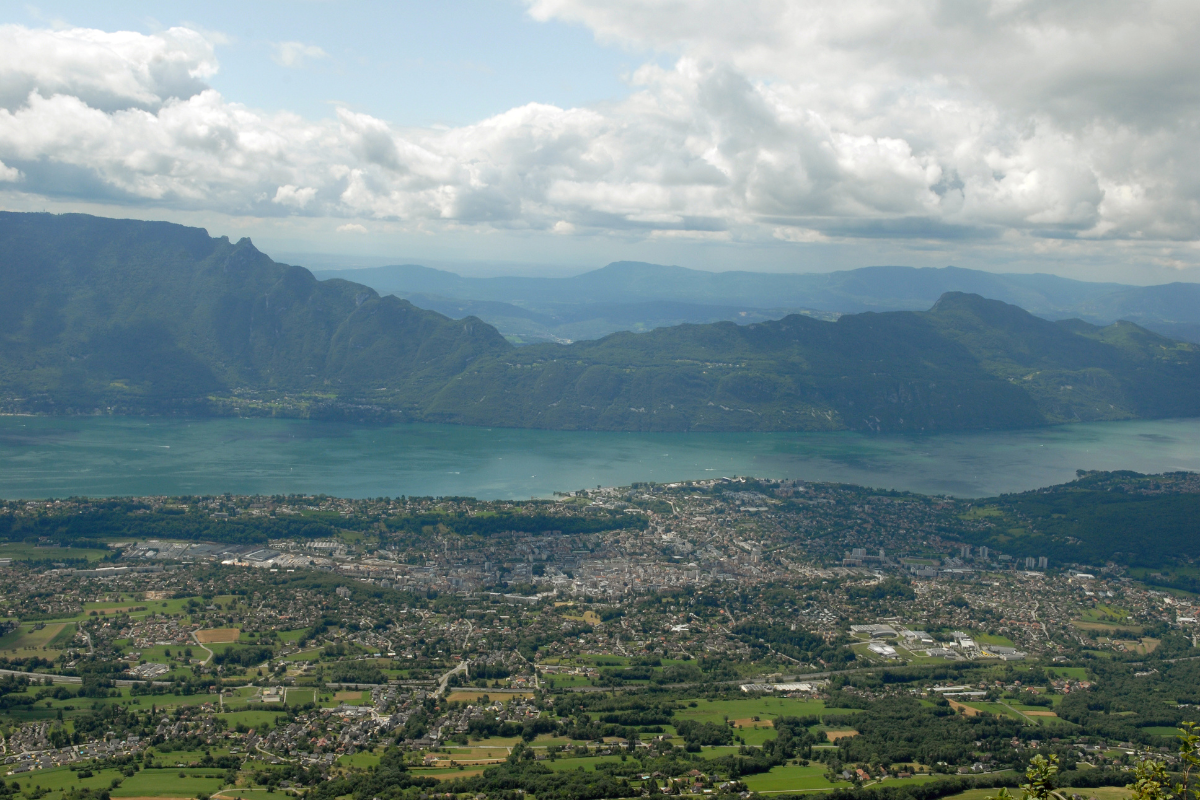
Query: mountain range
{"points": [[636, 296], [120, 316]]}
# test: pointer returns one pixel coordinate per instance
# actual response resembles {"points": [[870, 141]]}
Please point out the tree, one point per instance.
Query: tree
{"points": [[1039, 781], [1152, 781]]}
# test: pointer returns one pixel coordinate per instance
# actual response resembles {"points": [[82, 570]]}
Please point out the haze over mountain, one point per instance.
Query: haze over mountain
{"points": [[636, 296], [124, 316]]}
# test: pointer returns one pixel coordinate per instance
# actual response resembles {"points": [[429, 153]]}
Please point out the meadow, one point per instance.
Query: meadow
{"points": [[38, 636], [148, 783], [791, 778]]}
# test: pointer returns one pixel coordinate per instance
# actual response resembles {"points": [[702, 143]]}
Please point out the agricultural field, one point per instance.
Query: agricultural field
{"points": [[364, 760], [20, 551], [446, 773], [168, 783], [991, 638], [1105, 613], [473, 695], [1074, 673], [38, 636], [151, 783], [744, 710], [586, 763], [1105, 627], [256, 720], [791, 778]]}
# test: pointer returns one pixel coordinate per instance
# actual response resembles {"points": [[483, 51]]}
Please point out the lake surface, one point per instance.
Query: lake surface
{"points": [[105, 456]]}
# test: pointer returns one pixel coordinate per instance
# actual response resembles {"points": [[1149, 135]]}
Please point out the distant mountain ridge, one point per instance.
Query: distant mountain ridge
{"points": [[967, 363], [610, 297], [120, 316]]}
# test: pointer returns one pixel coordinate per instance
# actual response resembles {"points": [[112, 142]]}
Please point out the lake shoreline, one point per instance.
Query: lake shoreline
{"points": [[104, 456]]}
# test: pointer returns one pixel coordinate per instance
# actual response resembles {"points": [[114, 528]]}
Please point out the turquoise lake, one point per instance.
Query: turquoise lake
{"points": [[105, 456]]}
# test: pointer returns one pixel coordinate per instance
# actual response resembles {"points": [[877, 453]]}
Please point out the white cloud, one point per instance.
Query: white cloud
{"points": [[292, 196], [107, 71], [352, 227], [294, 54], [779, 121]]}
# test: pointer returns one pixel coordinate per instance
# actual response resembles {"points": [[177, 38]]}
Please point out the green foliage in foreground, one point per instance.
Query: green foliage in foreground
{"points": [[1154, 779]]}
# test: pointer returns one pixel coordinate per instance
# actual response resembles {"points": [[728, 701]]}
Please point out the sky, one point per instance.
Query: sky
{"points": [[554, 136]]}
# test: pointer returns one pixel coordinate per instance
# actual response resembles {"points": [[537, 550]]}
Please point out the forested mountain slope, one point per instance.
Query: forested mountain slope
{"points": [[149, 316], [968, 363], [138, 317]]}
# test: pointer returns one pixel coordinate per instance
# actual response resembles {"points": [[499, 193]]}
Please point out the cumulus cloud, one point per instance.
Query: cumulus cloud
{"points": [[292, 196], [778, 121], [1049, 116], [9, 174], [294, 54], [352, 227], [106, 71]]}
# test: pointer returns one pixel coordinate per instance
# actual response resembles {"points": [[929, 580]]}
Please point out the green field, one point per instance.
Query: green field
{"points": [[988, 638], [742, 712], [1105, 627], [147, 783], [766, 708], [567, 681], [174, 607], [252, 719], [299, 695], [167, 783], [360, 760], [158, 653], [1161, 730], [1105, 613], [996, 709], [349, 697], [447, 773], [586, 763], [25, 637], [19, 551], [790, 778], [1074, 673], [305, 655]]}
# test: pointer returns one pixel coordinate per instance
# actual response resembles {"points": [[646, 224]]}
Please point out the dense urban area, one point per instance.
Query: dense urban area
{"points": [[729, 636]]}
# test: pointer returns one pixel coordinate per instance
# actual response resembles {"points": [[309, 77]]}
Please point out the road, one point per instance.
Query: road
{"points": [[442, 681], [1045, 632], [41, 676], [467, 638], [202, 647], [1027, 720]]}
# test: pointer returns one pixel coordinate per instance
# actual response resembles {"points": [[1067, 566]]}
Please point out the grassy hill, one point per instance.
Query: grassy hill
{"points": [[139, 317]]}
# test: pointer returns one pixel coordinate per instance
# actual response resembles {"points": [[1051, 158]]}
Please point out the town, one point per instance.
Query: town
{"points": [[729, 636]]}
